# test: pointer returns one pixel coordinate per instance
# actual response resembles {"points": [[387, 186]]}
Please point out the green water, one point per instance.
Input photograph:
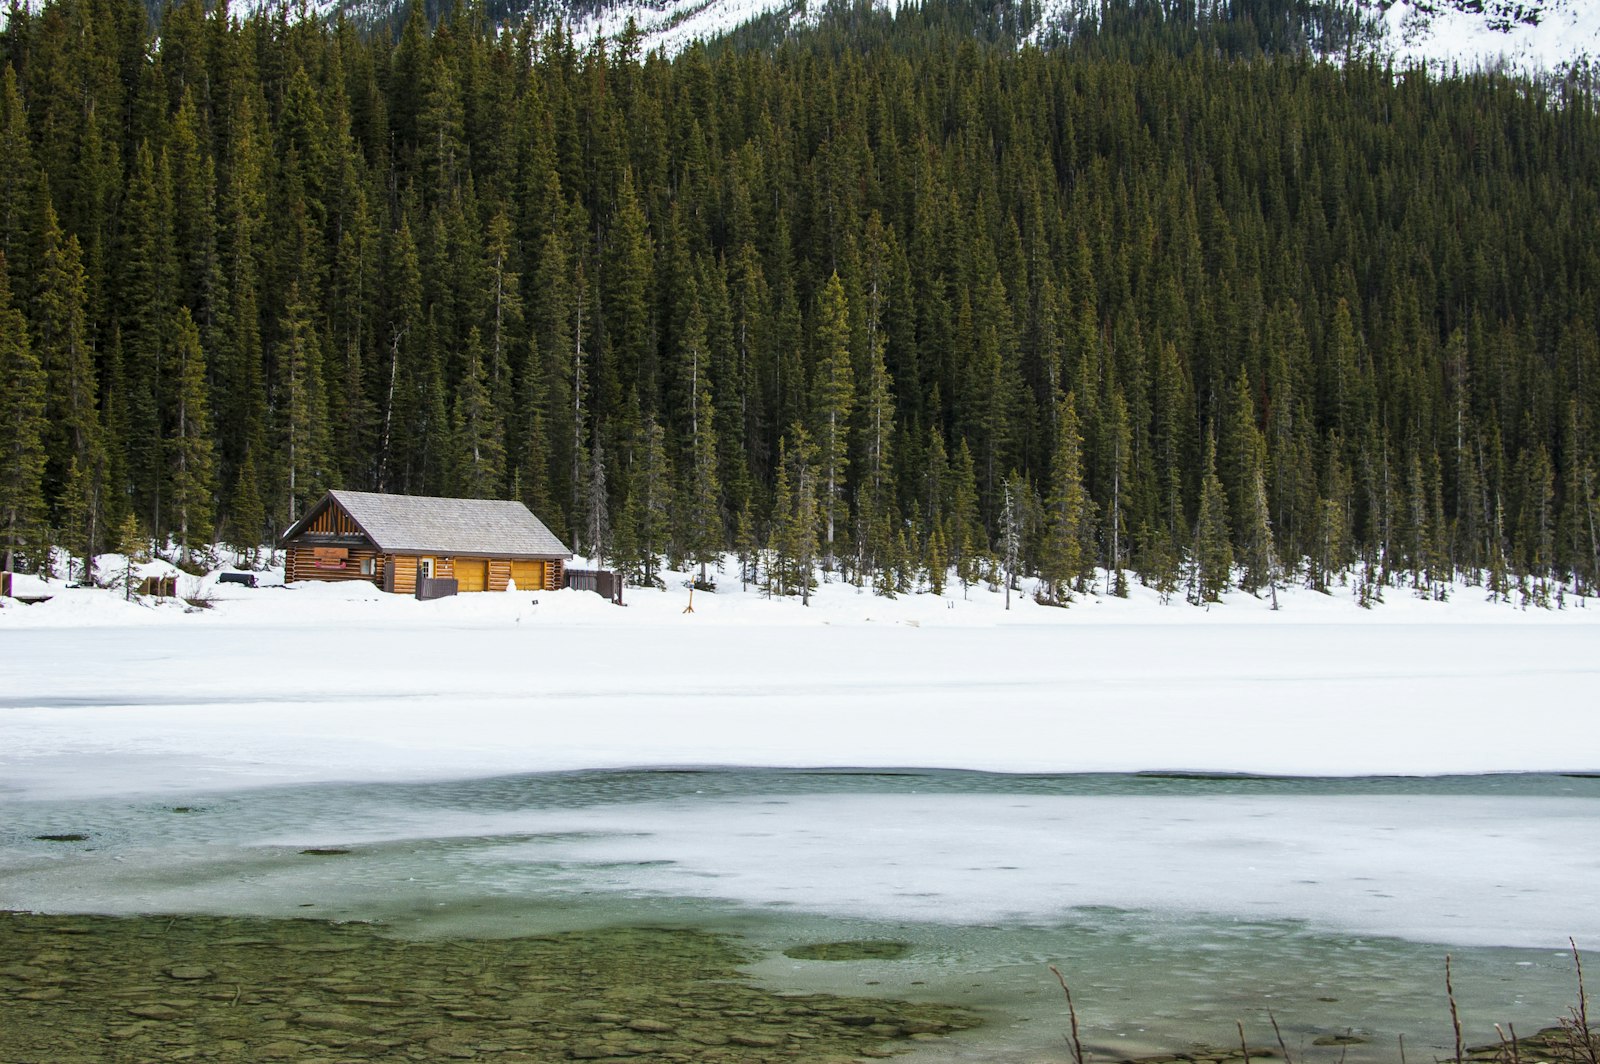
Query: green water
{"points": [[792, 888], [82, 988]]}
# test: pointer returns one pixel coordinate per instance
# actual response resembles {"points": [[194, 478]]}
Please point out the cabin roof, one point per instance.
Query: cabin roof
{"points": [[418, 524]]}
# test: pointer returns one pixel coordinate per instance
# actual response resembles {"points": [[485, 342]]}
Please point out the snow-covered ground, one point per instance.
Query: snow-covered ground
{"points": [[342, 682], [198, 752]]}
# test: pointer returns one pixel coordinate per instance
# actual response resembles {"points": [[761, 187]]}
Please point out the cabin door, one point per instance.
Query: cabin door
{"points": [[528, 576], [472, 574]]}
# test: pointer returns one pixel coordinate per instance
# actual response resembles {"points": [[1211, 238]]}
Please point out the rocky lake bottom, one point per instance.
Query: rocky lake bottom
{"points": [[817, 916], [182, 988], [159, 988]]}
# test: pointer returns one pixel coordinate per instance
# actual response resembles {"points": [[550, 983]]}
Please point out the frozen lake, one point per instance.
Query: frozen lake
{"points": [[1175, 904], [1420, 783]]}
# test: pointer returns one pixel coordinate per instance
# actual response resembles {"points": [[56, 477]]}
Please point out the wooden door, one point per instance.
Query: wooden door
{"points": [[472, 574], [528, 576]]}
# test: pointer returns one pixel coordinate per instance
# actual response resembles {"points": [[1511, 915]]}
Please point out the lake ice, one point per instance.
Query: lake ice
{"points": [[467, 754]]}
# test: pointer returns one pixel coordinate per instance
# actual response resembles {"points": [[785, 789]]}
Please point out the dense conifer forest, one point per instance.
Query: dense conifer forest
{"points": [[890, 297]]}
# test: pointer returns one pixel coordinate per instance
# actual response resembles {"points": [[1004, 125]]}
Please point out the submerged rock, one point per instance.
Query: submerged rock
{"points": [[863, 950], [189, 972]]}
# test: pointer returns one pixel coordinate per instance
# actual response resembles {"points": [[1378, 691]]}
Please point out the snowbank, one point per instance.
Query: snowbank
{"points": [[314, 682]]}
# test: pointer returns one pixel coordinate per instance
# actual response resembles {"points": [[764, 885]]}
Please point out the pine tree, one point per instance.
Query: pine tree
{"points": [[1537, 522], [1013, 530], [1161, 563], [189, 445], [1256, 554], [505, 313], [1117, 454], [302, 410], [1579, 535], [746, 545], [531, 469], [937, 563], [648, 498], [238, 364], [20, 182], [480, 451], [1332, 554], [147, 304], [194, 215], [441, 136], [875, 498], [702, 494], [1213, 547], [22, 432], [597, 502], [966, 538], [248, 515], [132, 545], [1247, 490], [1171, 440], [627, 280], [75, 462], [1259, 555], [835, 399], [795, 515], [781, 566], [1066, 510], [401, 336]]}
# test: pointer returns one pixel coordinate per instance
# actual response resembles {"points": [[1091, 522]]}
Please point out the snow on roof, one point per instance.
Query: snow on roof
{"points": [[408, 524]]}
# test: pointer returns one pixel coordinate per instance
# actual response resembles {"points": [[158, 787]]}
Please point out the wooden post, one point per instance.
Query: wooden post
{"points": [[690, 607]]}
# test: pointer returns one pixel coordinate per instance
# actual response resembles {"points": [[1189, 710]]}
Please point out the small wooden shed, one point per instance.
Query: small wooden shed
{"points": [[392, 540]]}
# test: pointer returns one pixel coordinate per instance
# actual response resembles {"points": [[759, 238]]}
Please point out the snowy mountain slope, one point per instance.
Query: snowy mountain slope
{"points": [[1444, 35], [1525, 35], [1520, 34], [673, 25], [1528, 35]]}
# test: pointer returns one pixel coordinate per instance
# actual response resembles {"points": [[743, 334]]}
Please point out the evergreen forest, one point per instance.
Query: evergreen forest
{"points": [[888, 299]]}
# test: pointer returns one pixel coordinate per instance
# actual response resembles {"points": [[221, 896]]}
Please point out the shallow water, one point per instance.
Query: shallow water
{"points": [[171, 988], [1175, 905]]}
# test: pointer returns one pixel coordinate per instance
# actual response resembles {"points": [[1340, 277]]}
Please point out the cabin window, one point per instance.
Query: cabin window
{"points": [[368, 566], [424, 568]]}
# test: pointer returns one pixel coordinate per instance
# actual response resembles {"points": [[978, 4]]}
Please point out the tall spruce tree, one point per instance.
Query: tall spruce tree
{"points": [[1062, 560], [302, 429], [479, 432], [835, 399], [22, 433], [1212, 558], [75, 460], [189, 441]]}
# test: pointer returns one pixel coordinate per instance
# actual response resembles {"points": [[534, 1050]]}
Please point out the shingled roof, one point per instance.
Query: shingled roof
{"points": [[418, 524]]}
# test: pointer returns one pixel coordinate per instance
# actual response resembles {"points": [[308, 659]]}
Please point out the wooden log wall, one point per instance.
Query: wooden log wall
{"points": [[305, 563], [404, 568]]}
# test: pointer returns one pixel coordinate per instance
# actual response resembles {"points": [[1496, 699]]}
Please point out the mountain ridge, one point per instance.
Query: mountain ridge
{"points": [[1528, 36]]}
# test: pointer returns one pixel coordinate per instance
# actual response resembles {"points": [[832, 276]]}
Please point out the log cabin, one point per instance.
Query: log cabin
{"points": [[392, 540]]}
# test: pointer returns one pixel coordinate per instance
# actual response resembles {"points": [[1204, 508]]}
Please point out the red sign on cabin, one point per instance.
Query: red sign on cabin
{"points": [[331, 557]]}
